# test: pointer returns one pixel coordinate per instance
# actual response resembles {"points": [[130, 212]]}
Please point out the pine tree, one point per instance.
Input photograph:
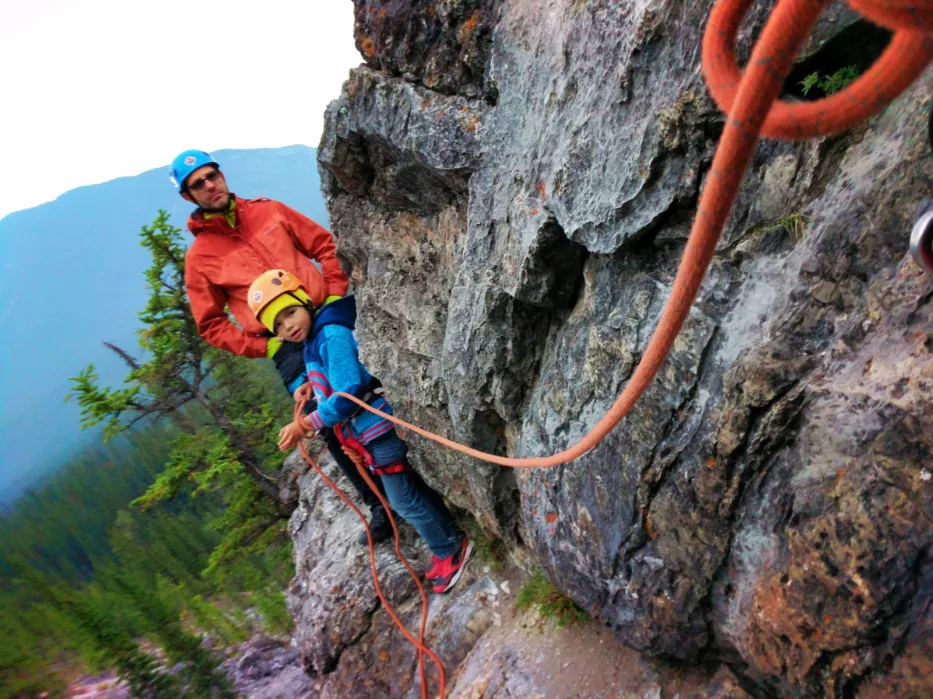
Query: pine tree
{"points": [[180, 369], [107, 638], [198, 671]]}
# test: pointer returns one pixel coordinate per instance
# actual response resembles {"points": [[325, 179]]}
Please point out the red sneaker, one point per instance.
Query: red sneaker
{"points": [[450, 569], [434, 571]]}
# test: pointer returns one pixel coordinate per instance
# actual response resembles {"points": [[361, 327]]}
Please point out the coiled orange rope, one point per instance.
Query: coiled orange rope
{"points": [[749, 101]]}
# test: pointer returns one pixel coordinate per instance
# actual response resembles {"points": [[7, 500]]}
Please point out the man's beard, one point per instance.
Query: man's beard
{"points": [[216, 209]]}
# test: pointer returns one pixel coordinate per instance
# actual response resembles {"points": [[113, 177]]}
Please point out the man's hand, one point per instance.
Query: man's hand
{"points": [[290, 435], [303, 393]]}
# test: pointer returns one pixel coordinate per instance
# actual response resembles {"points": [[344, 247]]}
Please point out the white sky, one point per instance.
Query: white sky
{"points": [[97, 89]]}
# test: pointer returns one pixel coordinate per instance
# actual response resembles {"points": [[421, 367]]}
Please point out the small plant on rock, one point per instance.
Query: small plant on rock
{"points": [[550, 602], [830, 84], [794, 224], [839, 80], [809, 82]]}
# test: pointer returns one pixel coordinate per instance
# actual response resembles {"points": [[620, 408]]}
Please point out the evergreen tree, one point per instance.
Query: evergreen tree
{"points": [[226, 408], [197, 666], [98, 629], [181, 368], [87, 577]]}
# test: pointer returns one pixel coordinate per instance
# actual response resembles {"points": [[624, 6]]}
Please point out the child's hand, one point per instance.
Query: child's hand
{"points": [[303, 393], [353, 455], [290, 435]]}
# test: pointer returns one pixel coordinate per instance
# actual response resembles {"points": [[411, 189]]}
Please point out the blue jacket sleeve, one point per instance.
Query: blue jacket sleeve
{"points": [[342, 366]]}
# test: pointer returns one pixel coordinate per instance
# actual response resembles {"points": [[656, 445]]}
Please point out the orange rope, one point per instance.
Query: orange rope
{"points": [[419, 642], [749, 100]]}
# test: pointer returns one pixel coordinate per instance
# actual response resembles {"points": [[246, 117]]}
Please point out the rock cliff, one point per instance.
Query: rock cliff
{"points": [[511, 185]]}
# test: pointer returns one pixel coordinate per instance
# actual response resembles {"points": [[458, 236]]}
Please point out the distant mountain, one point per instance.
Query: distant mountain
{"points": [[72, 278]]}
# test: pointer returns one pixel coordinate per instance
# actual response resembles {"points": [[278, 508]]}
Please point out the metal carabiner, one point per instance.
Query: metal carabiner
{"points": [[921, 242]]}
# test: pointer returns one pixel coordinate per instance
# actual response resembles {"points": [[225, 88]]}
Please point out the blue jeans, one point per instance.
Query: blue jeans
{"points": [[415, 500]]}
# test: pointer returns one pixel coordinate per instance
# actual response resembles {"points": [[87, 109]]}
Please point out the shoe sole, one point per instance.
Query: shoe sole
{"points": [[459, 574]]}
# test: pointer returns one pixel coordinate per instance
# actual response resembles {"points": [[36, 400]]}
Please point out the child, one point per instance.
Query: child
{"points": [[331, 357]]}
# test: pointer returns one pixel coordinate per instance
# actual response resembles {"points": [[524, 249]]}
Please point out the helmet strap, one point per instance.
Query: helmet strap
{"points": [[307, 304]]}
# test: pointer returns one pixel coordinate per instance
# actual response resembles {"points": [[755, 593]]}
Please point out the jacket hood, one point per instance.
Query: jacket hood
{"points": [[339, 312], [198, 224]]}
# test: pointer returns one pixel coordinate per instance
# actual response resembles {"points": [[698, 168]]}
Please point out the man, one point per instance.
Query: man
{"points": [[236, 240]]}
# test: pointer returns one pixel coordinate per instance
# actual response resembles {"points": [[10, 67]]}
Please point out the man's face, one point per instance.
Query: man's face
{"points": [[207, 188]]}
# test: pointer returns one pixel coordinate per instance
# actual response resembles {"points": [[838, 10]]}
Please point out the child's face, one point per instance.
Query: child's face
{"points": [[292, 324]]}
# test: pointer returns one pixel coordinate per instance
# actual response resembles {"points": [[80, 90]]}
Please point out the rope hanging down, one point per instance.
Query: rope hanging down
{"points": [[749, 101], [419, 643]]}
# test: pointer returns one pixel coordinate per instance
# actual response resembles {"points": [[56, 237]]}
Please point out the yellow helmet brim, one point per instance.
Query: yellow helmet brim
{"points": [[298, 297]]}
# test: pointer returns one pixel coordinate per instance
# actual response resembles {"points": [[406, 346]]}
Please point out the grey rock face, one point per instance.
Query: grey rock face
{"points": [[343, 634], [332, 598], [264, 668], [443, 45], [766, 499]]}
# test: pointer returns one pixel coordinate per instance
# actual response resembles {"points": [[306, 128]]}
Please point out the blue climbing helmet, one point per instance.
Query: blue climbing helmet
{"points": [[187, 162]]}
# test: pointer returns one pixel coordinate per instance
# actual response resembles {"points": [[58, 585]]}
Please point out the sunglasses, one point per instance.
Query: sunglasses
{"points": [[198, 185]]}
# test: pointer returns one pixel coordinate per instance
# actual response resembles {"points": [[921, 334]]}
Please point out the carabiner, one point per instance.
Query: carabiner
{"points": [[921, 241]]}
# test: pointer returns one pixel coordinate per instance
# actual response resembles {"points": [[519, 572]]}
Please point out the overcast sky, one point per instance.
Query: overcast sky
{"points": [[97, 89]]}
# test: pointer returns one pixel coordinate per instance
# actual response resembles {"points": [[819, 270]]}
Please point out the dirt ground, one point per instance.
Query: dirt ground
{"points": [[527, 656]]}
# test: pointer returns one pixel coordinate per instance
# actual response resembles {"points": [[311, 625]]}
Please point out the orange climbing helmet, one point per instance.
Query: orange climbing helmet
{"points": [[273, 291]]}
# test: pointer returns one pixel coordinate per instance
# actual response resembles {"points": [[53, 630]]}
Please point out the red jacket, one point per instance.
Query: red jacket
{"points": [[222, 262]]}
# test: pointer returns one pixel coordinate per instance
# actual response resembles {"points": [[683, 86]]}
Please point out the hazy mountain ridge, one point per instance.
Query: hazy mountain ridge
{"points": [[82, 251]]}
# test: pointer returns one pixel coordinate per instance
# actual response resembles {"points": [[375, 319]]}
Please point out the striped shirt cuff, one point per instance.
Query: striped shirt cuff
{"points": [[316, 421]]}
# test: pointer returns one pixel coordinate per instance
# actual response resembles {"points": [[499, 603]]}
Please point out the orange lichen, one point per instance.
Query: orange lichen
{"points": [[367, 47], [550, 517], [649, 529], [468, 26], [470, 123]]}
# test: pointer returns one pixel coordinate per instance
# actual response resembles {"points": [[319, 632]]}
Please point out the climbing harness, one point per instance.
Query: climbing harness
{"points": [[749, 100]]}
